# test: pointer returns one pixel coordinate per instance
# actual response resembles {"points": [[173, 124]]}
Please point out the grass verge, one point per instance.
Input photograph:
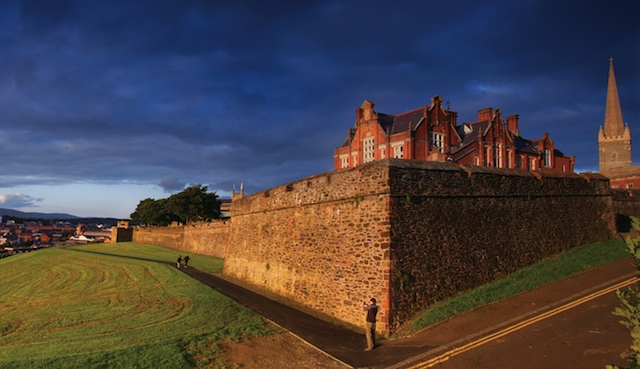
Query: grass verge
{"points": [[205, 263], [60, 308], [568, 263]]}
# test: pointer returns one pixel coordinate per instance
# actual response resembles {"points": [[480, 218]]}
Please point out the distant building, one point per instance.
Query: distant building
{"points": [[431, 133], [225, 204], [614, 142], [225, 208]]}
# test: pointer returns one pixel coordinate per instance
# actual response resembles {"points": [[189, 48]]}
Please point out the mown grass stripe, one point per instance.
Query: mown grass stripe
{"points": [[84, 307]]}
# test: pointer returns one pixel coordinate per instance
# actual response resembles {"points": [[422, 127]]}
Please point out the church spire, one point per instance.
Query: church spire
{"points": [[614, 139], [613, 123]]}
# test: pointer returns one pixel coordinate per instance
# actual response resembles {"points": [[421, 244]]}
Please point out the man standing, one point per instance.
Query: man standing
{"points": [[186, 261], [370, 325], [179, 261]]}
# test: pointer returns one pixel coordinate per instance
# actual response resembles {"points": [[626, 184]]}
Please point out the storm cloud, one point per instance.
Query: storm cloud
{"points": [[168, 93]]}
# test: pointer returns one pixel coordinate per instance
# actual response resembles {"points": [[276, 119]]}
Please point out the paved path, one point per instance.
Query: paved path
{"points": [[580, 334], [347, 346]]}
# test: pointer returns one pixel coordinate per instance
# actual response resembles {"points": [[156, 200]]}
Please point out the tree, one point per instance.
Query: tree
{"points": [[191, 205], [194, 204], [630, 303], [153, 212]]}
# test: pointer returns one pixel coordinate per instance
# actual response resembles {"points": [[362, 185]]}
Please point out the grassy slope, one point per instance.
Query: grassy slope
{"points": [[571, 262], [205, 263], [64, 308]]}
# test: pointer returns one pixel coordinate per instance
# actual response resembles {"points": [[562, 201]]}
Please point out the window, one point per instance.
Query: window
{"points": [[497, 156], [518, 162], [508, 165], [345, 161], [486, 161], [383, 153], [398, 151], [547, 158], [367, 145], [532, 164], [435, 141], [630, 186], [355, 159]]}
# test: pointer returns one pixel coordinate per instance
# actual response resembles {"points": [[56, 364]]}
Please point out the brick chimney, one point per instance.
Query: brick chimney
{"points": [[484, 114], [454, 118], [512, 124]]}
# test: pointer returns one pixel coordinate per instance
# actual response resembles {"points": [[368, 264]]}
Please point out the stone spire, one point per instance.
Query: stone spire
{"points": [[614, 140], [613, 123]]}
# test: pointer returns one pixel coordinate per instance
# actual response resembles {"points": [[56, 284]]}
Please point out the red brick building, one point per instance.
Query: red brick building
{"points": [[432, 133]]}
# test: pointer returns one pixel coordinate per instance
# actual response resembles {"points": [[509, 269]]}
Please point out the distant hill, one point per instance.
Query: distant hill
{"points": [[22, 214]]}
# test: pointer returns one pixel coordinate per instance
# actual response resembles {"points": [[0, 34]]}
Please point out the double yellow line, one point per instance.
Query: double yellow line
{"points": [[494, 336]]}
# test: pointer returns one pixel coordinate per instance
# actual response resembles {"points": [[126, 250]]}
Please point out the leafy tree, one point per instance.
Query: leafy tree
{"points": [[153, 212], [194, 204], [630, 303]]}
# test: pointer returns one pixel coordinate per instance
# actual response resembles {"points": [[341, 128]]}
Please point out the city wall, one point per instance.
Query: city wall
{"points": [[205, 238], [406, 232], [456, 228], [323, 241]]}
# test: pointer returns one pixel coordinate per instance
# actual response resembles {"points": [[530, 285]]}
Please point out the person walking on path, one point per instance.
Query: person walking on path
{"points": [[370, 325], [179, 262], [186, 261]]}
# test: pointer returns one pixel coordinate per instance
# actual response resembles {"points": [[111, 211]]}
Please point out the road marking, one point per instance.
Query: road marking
{"points": [[494, 336]]}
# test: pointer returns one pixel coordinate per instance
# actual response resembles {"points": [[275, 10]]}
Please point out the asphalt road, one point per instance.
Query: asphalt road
{"points": [[585, 336], [574, 335]]}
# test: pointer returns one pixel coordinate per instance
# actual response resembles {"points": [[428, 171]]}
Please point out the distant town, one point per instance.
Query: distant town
{"points": [[18, 235]]}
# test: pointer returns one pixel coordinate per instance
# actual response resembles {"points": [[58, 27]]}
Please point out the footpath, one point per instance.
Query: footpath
{"points": [[348, 346]]}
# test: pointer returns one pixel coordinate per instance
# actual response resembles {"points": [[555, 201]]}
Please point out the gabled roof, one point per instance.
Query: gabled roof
{"points": [[402, 121], [469, 134], [346, 142], [395, 123], [469, 131], [524, 145]]}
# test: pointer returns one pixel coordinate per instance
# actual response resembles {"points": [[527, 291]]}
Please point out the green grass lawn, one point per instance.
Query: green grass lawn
{"points": [[205, 263], [571, 262], [67, 308]]}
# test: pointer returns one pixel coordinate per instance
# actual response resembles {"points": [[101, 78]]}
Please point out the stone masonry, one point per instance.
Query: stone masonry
{"points": [[406, 232]]}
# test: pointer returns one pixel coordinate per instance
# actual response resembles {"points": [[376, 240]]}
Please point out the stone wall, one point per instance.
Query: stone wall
{"points": [[205, 238], [161, 236], [456, 228], [406, 232], [322, 241], [626, 203], [119, 234]]}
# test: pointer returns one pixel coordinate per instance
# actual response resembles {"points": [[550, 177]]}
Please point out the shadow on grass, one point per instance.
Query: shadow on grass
{"points": [[69, 248]]}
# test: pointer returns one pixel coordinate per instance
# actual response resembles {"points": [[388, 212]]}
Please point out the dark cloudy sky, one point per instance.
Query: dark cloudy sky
{"points": [[106, 103]]}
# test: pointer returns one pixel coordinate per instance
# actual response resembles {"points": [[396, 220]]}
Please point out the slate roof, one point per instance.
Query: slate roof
{"points": [[396, 123], [522, 144]]}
